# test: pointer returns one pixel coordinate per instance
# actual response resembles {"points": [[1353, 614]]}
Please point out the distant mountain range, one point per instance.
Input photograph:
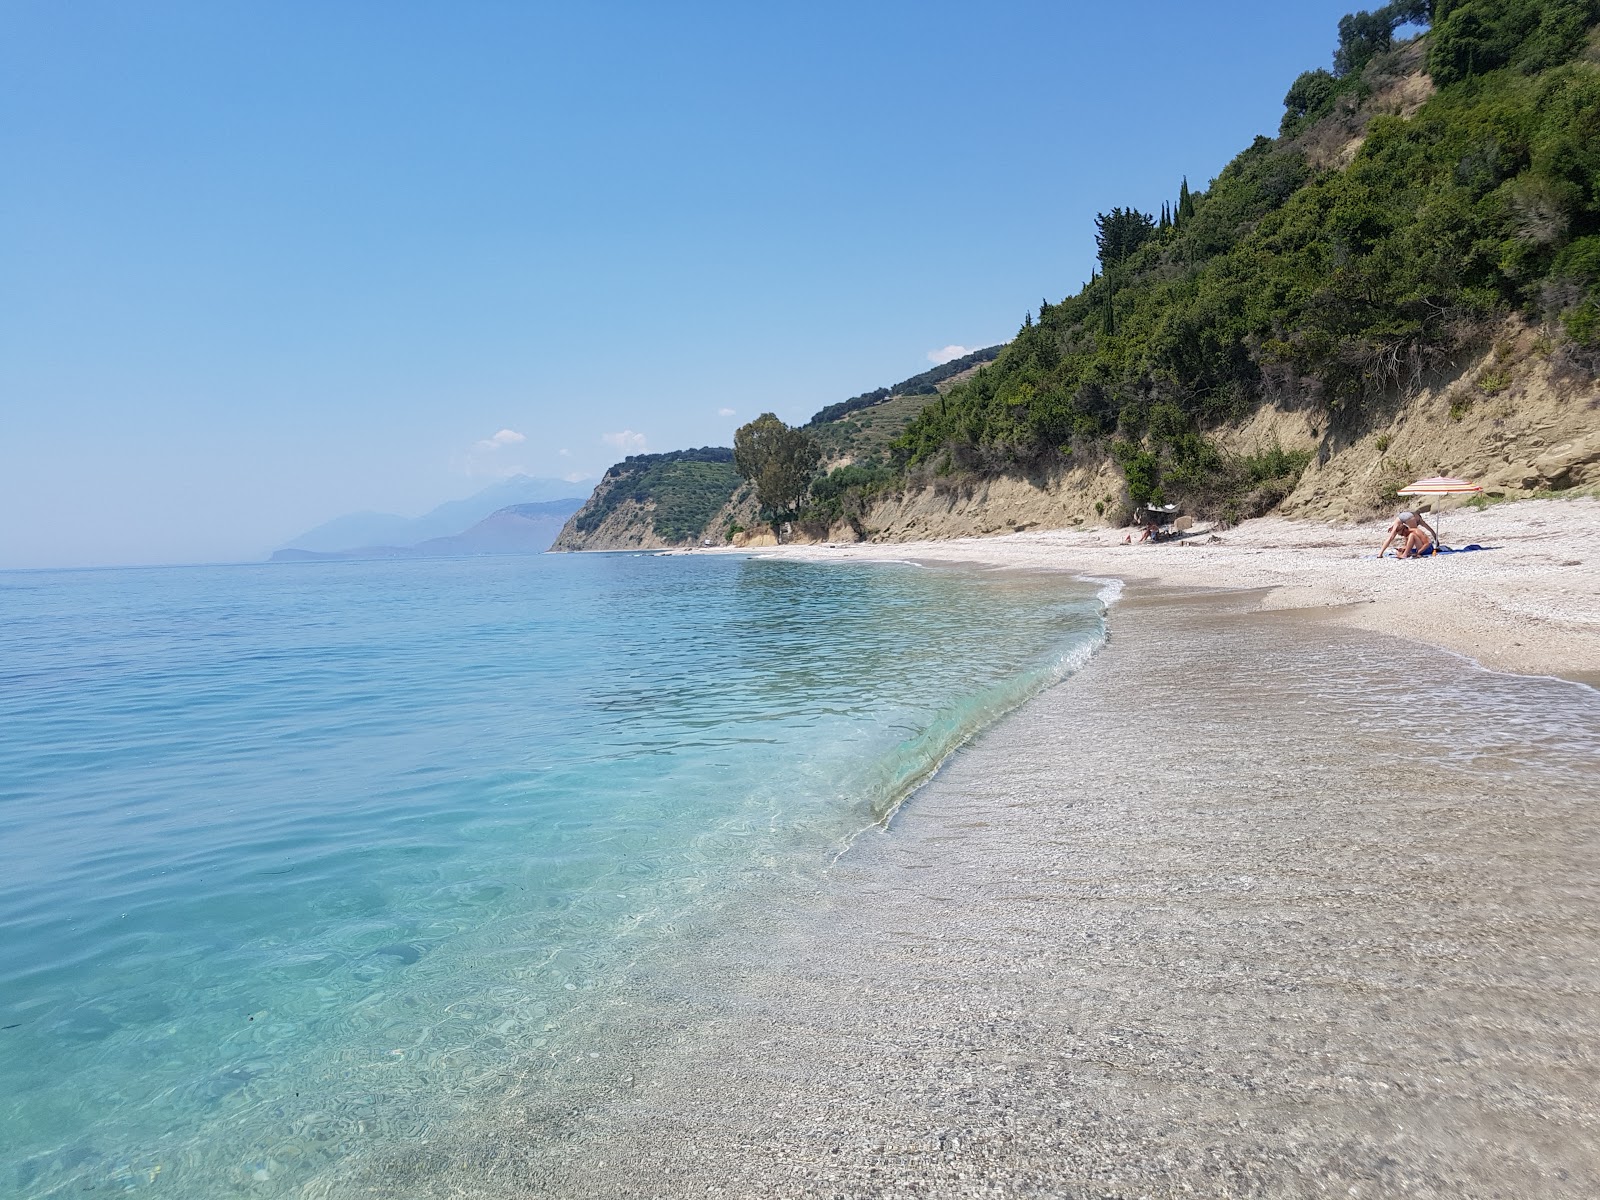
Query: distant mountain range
{"points": [[372, 529], [515, 529]]}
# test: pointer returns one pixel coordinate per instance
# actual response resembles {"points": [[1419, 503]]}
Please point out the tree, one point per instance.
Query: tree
{"points": [[1365, 34], [1185, 203], [1361, 36], [1120, 232], [779, 461], [1311, 95], [1411, 12], [1473, 37]]}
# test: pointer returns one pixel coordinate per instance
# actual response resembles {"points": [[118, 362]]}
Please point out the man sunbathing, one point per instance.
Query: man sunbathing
{"points": [[1406, 527]]}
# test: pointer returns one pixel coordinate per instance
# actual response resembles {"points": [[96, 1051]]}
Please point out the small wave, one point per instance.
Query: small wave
{"points": [[914, 762], [1110, 589]]}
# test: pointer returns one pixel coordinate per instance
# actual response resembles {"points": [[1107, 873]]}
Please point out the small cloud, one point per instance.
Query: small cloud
{"points": [[627, 441], [488, 455], [948, 354], [724, 412], [564, 452], [506, 437], [574, 477]]}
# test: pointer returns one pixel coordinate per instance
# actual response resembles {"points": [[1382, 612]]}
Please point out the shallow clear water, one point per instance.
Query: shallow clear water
{"points": [[297, 858]]}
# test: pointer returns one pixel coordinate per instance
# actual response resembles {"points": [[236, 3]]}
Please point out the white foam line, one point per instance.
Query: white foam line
{"points": [[1110, 588], [1069, 664]]}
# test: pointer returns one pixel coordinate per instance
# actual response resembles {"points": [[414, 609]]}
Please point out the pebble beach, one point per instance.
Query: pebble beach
{"points": [[1282, 895]]}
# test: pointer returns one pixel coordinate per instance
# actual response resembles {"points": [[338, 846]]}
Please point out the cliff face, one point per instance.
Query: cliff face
{"points": [[1515, 419], [607, 522], [1005, 504], [630, 525], [650, 501]]}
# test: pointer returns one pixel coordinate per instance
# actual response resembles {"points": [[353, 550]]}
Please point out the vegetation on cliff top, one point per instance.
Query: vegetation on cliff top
{"points": [[687, 487], [1328, 286]]}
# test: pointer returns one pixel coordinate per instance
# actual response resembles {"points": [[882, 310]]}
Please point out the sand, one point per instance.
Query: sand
{"points": [[1532, 604]]}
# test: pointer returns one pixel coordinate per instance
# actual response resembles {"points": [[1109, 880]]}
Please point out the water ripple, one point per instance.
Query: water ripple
{"points": [[295, 855]]}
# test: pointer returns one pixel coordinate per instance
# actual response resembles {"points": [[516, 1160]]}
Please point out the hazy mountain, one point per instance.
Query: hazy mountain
{"points": [[515, 529], [367, 529]]}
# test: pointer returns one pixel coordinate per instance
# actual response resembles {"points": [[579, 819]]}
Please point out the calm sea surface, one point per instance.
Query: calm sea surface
{"points": [[295, 859]]}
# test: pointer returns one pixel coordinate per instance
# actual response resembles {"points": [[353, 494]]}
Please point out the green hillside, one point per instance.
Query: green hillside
{"points": [[1290, 276], [926, 384], [1418, 195], [686, 486]]}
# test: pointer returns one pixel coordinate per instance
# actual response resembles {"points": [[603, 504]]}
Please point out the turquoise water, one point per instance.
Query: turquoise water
{"points": [[295, 858]]}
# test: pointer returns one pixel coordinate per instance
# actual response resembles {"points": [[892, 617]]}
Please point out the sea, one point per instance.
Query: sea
{"points": [[299, 861]]}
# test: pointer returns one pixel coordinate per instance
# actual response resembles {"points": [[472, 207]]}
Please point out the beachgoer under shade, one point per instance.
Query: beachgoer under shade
{"points": [[1407, 525], [1417, 544]]}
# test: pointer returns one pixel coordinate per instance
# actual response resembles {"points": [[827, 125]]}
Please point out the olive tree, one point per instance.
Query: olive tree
{"points": [[779, 461]]}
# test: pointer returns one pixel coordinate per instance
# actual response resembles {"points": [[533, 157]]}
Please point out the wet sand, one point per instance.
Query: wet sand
{"points": [[1255, 905]]}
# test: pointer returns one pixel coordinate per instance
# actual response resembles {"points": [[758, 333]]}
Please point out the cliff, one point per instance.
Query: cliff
{"points": [[652, 501], [1513, 418], [1413, 261]]}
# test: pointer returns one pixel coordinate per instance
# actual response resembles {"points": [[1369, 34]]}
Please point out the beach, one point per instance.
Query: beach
{"points": [[1259, 903], [1530, 604]]}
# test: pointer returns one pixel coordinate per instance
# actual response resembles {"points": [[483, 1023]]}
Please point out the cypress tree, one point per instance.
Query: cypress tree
{"points": [[1185, 201]]}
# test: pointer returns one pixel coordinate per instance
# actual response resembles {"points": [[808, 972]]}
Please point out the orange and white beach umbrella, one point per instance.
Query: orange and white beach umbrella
{"points": [[1440, 485]]}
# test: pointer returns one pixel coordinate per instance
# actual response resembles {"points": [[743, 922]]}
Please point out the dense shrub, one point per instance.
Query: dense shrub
{"points": [[1474, 37], [1326, 289]]}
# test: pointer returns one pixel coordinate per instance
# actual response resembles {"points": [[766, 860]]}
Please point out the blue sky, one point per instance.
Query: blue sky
{"points": [[263, 264]]}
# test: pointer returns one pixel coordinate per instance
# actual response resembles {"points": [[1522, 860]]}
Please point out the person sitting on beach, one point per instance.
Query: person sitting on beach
{"points": [[1407, 525], [1417, 544]]}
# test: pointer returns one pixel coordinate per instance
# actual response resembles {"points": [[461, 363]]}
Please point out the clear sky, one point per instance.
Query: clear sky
{"points": [[262, 264]]}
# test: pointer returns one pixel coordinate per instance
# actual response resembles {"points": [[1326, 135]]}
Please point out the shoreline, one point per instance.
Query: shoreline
{"points": [[1191, 922], [1382, 984], [1530, 605]]}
